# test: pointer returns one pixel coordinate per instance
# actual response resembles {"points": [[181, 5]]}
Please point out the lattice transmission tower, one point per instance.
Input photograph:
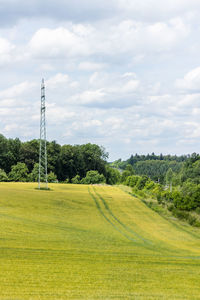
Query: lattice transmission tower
{"points": [[42, 178]]}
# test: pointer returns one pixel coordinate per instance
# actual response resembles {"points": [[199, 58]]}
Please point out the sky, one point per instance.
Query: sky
{"points": [[123, 74]]}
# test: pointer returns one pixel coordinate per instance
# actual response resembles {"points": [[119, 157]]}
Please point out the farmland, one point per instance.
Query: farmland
{"points": [[92, 242]]}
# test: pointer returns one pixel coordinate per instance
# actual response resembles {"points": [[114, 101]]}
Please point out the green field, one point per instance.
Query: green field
{"points": [[92, 242]]}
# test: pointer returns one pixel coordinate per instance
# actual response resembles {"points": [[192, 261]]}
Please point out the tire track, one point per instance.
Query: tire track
{"points": [[126, 228], [107, 219]]}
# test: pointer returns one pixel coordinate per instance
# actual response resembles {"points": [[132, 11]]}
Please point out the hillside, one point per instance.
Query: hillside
{"points": [[92, 242]]}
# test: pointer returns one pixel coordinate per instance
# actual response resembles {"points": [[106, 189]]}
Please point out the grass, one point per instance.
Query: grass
{"points": [[92, 242]]}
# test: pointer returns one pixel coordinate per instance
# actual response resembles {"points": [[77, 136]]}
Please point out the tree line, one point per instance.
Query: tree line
{"points": [[19, 161], [153, 166]]}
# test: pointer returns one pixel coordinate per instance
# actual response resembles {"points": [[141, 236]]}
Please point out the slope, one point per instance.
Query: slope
{"points": [[92, 242]]}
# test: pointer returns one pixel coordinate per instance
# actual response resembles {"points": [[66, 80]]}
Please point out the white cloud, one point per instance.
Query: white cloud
{"points": [[130, 86], [88, 97], [90, 66], [155, 9], [17, 90], [58, 43], [57, 80], [6, 51], [77, 41], [129, 74], [191, 81]]}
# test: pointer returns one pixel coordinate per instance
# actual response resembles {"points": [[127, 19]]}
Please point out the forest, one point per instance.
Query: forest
{"points": [[153, 166], [67, 163]]}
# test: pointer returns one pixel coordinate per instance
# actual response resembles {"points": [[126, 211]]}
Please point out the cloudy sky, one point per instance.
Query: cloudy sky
{"points": [[124, 74]]}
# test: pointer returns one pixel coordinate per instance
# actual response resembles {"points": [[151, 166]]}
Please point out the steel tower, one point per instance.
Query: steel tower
{"points": [[42, 178]]}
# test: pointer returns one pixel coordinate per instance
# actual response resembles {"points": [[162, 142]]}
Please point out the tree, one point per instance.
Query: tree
{"points": [[113, 176], [79, 159], [130, 169], [70, 162], [13, 154], [53, 157], [29, 153], [169, 176], [19, 172], [3, 152], [94, 157], [3, 175]]}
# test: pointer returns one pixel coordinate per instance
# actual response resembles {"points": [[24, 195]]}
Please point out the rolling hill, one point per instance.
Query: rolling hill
{"points": [[92, 242]]}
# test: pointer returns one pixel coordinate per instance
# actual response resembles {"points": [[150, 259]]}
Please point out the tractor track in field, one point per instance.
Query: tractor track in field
{"points": [[110, 217], [106, 218]]}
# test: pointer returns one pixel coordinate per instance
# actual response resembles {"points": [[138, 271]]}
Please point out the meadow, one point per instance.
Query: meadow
{"points": [[92, 242]]}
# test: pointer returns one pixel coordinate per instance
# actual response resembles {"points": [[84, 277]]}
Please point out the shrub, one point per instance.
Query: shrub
{"points": [[33, 176], [132, 180], [149, 185], [19, 172], [159, 198], [52, 177], [180, 214], [76, 179], [93, 177], [141, 182], [198, 210], [3, 175], [192, 220], [124, 175], [170, 207]]}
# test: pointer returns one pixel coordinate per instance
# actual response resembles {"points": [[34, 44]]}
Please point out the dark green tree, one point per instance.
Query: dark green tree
{"points": [[29, 153], [113, 176]]}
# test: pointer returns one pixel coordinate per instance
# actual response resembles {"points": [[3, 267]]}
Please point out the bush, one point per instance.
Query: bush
{"points": [[93, 177], [190, 196], [180, 214], [52, 177], [141, 182], [132, 180], [167, 196], [170, 207], [3, 175], [19, 172], [76, 179], [149, 185], [198, 210], [34, 175], [192, 220], [159, 198], [124, 175], [139, 193]]}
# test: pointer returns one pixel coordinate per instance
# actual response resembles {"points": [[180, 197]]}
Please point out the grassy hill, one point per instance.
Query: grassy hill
{"points": [[92, 242]]}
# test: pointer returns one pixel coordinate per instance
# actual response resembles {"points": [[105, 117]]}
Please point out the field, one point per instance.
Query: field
{"points": [[92, 242]]}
